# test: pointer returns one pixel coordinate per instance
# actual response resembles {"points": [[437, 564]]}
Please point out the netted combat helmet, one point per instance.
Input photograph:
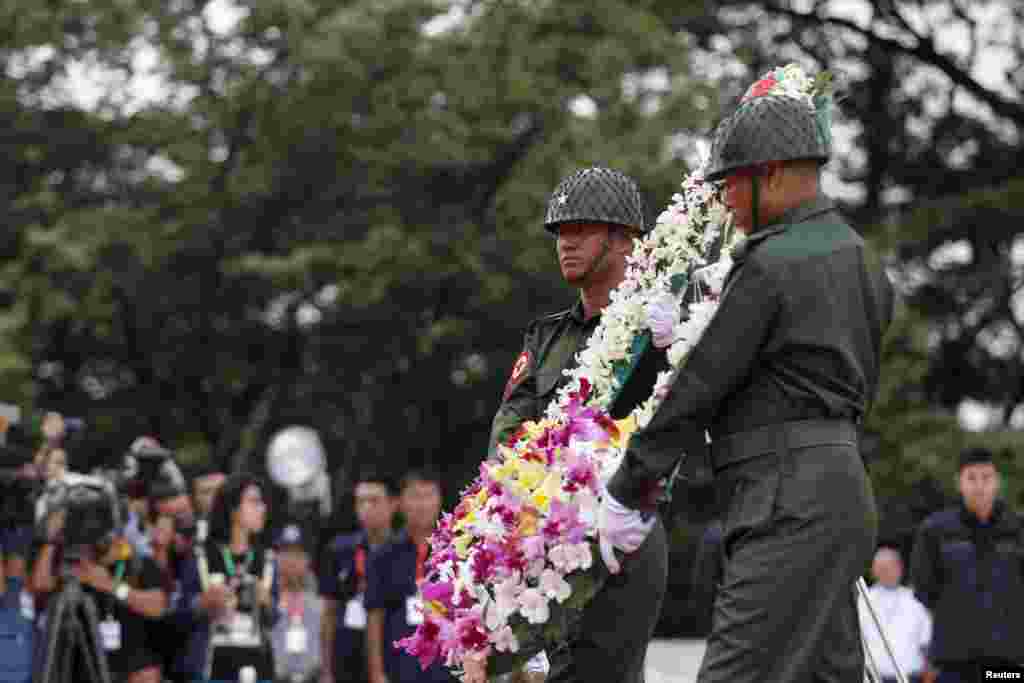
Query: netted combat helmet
{"points": [[598, 195], [774, 123]]}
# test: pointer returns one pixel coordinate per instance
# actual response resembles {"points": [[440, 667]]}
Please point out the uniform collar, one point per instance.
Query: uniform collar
{"points": [[576, 313], [806, 211], [996, 520], [798, 214]]}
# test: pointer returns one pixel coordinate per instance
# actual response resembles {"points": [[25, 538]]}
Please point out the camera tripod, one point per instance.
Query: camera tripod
{"points": [[72, 653]]}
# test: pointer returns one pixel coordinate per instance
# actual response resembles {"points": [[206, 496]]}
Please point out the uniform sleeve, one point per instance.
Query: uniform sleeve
{"points": [[378, 585], [924, 567], [720, 362], [519, 402]]}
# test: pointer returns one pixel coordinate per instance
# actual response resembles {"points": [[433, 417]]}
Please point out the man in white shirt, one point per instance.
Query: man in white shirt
{"points": [[907, 623]]}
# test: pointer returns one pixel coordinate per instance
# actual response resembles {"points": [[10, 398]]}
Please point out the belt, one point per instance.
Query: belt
{"points": [[786, 436]]}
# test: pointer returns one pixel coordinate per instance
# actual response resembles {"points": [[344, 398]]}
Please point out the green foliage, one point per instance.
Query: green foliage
{"points": [[919, 440], [325, 213]]}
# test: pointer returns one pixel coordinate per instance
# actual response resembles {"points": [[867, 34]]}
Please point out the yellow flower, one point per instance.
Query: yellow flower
{"points": [[436, 607], [547, 491], [530, 474], [503, 472], [534, 429], [626, 426], [462, 543]]}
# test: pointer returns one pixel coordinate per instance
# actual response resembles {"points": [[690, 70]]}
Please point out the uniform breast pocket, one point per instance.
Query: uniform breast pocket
{"points": [[547, 383]]}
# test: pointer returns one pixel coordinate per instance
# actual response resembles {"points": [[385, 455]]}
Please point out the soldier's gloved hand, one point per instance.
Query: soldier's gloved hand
{"points": [[620, 528]]}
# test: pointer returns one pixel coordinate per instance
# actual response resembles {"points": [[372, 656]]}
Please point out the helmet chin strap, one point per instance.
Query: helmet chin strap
{"points": [[599, 261]]}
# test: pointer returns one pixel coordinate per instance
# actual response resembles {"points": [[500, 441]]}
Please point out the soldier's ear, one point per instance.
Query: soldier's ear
{"points": [[620, 239], [775, 176]]}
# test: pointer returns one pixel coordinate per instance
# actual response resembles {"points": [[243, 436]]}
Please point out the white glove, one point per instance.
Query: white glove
{"points": [[538, 664], [619, 527]]}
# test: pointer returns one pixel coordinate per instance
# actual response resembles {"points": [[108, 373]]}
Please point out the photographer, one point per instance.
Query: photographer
{"points": [[18, 484], [83, 541], [171, 548], [231, 588], [148, 466], [161, 525]]}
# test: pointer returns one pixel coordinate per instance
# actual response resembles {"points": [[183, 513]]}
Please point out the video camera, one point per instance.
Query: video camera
{"points": [[149, 468], [17, 491], [92, 512]]}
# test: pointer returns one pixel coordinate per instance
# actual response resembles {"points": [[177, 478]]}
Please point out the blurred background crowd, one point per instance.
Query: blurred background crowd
{"points": [[224, 218]]}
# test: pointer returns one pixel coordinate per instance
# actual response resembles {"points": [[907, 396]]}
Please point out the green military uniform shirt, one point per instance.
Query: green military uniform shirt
{"points": [[550, 347], [796, 337]]}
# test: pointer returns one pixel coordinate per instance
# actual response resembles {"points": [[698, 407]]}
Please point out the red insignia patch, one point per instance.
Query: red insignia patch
{"points": [[519, 370], [761, 88]]}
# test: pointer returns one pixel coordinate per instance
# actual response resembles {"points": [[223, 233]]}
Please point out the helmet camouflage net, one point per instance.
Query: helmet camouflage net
{"points": [[785, 116], [598, 195]]}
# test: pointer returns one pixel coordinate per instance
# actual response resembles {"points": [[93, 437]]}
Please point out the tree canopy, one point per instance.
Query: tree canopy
{"points": [[224, 217], [328, 212]]}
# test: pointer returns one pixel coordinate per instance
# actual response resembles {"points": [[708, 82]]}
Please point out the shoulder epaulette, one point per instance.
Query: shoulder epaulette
{"points": [[552, 317]]}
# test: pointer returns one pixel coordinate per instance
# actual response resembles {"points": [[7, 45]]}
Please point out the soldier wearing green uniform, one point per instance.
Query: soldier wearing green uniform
{"points": [[594, 215], [781, 379]]}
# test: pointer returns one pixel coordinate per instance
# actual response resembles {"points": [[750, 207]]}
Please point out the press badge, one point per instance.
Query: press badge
{"points": [[28, 606], [355, 614], [295, 641], [110, 635], [414, 610], [243, 630]]}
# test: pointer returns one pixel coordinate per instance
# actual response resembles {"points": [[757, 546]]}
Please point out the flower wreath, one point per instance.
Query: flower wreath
{"points": [[514, 563]]}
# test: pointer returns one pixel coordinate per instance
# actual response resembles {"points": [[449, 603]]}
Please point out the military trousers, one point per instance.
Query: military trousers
{"points": [[610, 641], [800, 528]]}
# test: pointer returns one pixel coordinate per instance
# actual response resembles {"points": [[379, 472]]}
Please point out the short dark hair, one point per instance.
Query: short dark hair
{"points": [[228, 499], [375, 474], [427, 474], [626, 230], [976, 456]]}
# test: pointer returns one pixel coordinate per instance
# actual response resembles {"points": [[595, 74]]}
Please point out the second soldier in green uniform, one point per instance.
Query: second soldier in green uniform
{"points": [[594, 215]]}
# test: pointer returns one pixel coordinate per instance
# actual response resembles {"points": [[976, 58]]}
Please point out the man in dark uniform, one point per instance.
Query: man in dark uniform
{"points": [[781, 379], [343, 579], [968, 569], [594, 215]]}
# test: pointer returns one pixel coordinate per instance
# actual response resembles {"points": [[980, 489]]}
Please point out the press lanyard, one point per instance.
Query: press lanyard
{"points": [[421, 558], [229, 562], [118, 576], [360, 562]]}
